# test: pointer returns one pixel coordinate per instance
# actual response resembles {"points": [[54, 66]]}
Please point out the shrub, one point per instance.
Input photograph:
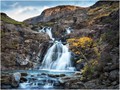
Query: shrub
{"points": [[89, 69], [77, 44]]}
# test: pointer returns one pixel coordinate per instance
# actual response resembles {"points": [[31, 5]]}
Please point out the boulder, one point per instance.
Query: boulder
{"points": [[78, 73], [91, 84], [15, 80], [77, 85], [114, 75]]}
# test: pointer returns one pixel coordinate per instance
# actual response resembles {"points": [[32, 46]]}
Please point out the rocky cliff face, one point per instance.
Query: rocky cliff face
{"points": [[52, 14], [19, 44]]}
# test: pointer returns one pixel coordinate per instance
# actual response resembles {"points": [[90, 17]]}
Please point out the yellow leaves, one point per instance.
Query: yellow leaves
{"points": [[76, 44], [80, 42]]}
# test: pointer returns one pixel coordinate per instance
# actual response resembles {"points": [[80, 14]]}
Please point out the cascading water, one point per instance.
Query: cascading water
{"points": [[48, 31], [56, 60], [58, 57], [68, 30]]}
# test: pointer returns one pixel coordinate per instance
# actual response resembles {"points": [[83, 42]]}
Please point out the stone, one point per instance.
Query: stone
{"points": [[5, 79], [114, 75], [78, 73], [23, 79], [114, 83], [62, 75], [43, 74], [79, 66], [15, 79], [52, 75], [77, 85], [24, 74], [90, 84]]}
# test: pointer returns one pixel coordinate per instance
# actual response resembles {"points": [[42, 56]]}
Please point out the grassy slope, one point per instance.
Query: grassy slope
{"points": [[7, 19]]}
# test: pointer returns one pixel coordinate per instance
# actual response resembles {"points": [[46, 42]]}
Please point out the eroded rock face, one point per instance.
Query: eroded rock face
{"points": [[20, 46], [52, 14]]}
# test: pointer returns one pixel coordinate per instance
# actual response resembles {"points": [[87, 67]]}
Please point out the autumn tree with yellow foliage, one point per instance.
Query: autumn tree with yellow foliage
{"points": [[78, 45]]}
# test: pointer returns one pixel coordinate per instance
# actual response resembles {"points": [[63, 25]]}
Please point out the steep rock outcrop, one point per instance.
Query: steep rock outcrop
{"points": [[20, 45], [52, 14]]}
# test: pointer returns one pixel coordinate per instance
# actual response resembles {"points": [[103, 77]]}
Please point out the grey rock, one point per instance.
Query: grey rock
{"points": [[15, 79], [114, 75]]}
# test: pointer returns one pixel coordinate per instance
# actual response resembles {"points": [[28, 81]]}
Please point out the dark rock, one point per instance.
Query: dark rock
{"points": [[62, 75], [23, 79], [114, 75], [114, 83], [24, 74], [78, 85], [43, 74], [79, 66], [5, 79], [91, 84], [52, 75], [75, 85]]}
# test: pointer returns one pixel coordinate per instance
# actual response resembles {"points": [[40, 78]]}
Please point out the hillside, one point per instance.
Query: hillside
{"points": [[52, 13], [17, 43], [42, 42], [7, 19]]}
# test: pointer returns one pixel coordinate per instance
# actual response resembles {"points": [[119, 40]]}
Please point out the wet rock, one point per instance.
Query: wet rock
{"points": [[66, 79], [43, 74], [52, 75], [15, 79], [62, 75], [24, 74], [78, 73], [23, 79]]}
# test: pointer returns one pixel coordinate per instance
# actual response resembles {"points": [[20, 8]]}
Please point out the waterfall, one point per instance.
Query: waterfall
{"points": [[48, 31], [58, 56], [68, 30]]}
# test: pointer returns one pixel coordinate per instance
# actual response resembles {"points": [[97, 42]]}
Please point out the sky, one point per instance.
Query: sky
{"points": [[24, 9]]}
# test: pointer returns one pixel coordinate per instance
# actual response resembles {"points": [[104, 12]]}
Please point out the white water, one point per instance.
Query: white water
{"points": [[48, 31], [68, 30], [57, 57]]}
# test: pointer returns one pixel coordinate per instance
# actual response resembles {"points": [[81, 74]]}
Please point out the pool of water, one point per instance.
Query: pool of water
{"points": [[41, 79]]}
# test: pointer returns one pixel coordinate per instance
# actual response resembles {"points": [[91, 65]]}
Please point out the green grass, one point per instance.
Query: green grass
{"points": [[7, 19]]}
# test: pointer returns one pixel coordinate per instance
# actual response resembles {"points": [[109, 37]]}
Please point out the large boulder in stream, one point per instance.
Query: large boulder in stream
{"points": [[15, 80]]}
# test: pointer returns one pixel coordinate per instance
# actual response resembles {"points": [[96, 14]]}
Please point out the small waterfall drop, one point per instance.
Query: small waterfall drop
{"points": [[68, 30], [48, 31]]}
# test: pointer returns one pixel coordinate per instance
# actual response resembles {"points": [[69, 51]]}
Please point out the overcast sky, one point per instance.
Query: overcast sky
{"points": [[24, 9]]}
